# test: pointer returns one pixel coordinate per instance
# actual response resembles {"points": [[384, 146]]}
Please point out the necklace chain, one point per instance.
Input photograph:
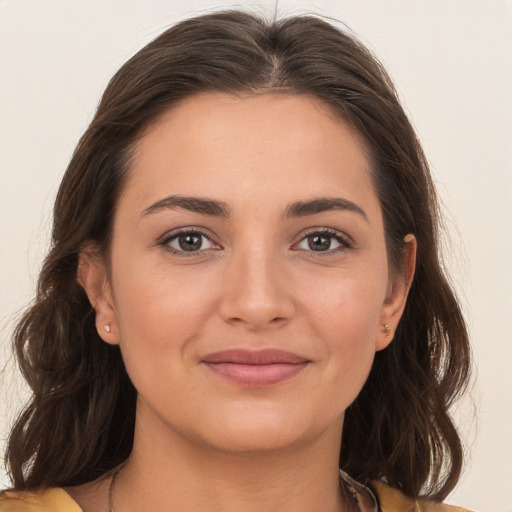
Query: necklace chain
{"points": [[347, 486], [111, 504]]}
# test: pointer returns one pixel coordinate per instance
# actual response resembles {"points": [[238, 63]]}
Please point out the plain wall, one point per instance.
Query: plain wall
{"points": [[451, 62]]}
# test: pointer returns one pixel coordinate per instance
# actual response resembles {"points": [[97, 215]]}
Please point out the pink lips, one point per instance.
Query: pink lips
{"points": [[255, 368]]}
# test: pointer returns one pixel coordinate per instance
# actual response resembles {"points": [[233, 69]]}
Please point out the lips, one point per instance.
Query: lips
{"points": [[255, 368]]}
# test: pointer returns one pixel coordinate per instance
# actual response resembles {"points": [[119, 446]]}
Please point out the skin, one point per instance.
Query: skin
{"points": [[254, 280]]}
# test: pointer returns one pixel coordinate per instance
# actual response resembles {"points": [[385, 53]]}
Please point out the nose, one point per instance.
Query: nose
{"points": [[256, 291]]}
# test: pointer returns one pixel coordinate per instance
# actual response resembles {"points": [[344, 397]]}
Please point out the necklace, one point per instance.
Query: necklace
{"points": [[349, 486], [111, 505]]}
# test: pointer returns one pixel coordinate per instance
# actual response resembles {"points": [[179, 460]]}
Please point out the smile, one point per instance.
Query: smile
{"points": [[255, 368]]}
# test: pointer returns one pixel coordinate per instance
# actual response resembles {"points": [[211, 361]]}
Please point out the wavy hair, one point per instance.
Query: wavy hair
{"points": [[79, 422]]}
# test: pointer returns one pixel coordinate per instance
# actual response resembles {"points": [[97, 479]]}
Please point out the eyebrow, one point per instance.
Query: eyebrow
{"points": [[322, 204], [215, 208], [192, 204]]}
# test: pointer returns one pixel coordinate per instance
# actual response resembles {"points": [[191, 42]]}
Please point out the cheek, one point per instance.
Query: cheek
{"points": [[347, 304], [160, 320], [160, 312], [344, 314]]}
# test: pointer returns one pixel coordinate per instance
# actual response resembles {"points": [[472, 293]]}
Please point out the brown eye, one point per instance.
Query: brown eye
{"points": [[319, 242], [326, 241], [188, 241]]}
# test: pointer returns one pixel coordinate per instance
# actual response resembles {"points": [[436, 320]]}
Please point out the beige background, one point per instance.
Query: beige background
{"points": [[451, 61]]}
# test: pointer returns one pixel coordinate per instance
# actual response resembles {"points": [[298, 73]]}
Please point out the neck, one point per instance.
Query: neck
{"points": [[177, 474]]}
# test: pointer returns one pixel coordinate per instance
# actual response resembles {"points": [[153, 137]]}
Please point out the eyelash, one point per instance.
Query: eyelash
{"points": [[344, 241], [185, 231]]}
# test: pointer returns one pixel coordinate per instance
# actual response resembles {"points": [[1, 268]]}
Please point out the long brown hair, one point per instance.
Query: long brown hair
{"points": [[79, 422]]}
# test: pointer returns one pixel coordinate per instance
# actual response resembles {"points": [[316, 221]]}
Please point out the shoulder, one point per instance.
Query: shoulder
{"points": [[49, 500], [392, 500]]}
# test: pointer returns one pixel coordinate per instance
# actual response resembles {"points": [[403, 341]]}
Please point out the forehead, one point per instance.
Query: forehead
{"points": [[240, 146]]}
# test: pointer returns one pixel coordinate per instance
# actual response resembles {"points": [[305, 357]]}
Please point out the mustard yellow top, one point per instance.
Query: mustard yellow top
{"points": [[392, 500], [58, 500], [50, 500]]}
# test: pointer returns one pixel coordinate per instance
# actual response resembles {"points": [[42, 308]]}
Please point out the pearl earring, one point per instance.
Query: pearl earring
{"points": [[107, 327], [387, 329]]}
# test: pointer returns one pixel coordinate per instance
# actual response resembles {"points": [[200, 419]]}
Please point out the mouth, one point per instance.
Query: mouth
{"points": [[255, 368]]}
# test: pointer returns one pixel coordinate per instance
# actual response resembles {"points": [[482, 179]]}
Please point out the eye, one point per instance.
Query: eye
{"points": [[190, 241], [324, 241]]}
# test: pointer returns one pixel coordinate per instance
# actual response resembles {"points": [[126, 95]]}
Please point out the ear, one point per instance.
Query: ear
{"points": [[396, 296], [93, 277]]}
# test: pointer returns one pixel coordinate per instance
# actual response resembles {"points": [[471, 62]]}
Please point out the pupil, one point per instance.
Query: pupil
{"points": [[190, 242], [318, 243]]}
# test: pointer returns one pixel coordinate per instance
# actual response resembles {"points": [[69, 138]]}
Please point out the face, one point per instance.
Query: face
{"points": [[249, 284]]}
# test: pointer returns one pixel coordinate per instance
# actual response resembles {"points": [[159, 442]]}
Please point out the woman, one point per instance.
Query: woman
{"points": [[244, 295]]}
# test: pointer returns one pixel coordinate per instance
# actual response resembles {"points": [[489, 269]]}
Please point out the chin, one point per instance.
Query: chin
{"points": [[259, 431]]}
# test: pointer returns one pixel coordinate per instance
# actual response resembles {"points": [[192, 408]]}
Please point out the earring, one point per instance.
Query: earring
{"points": [[387, 329], [107, 327]]}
